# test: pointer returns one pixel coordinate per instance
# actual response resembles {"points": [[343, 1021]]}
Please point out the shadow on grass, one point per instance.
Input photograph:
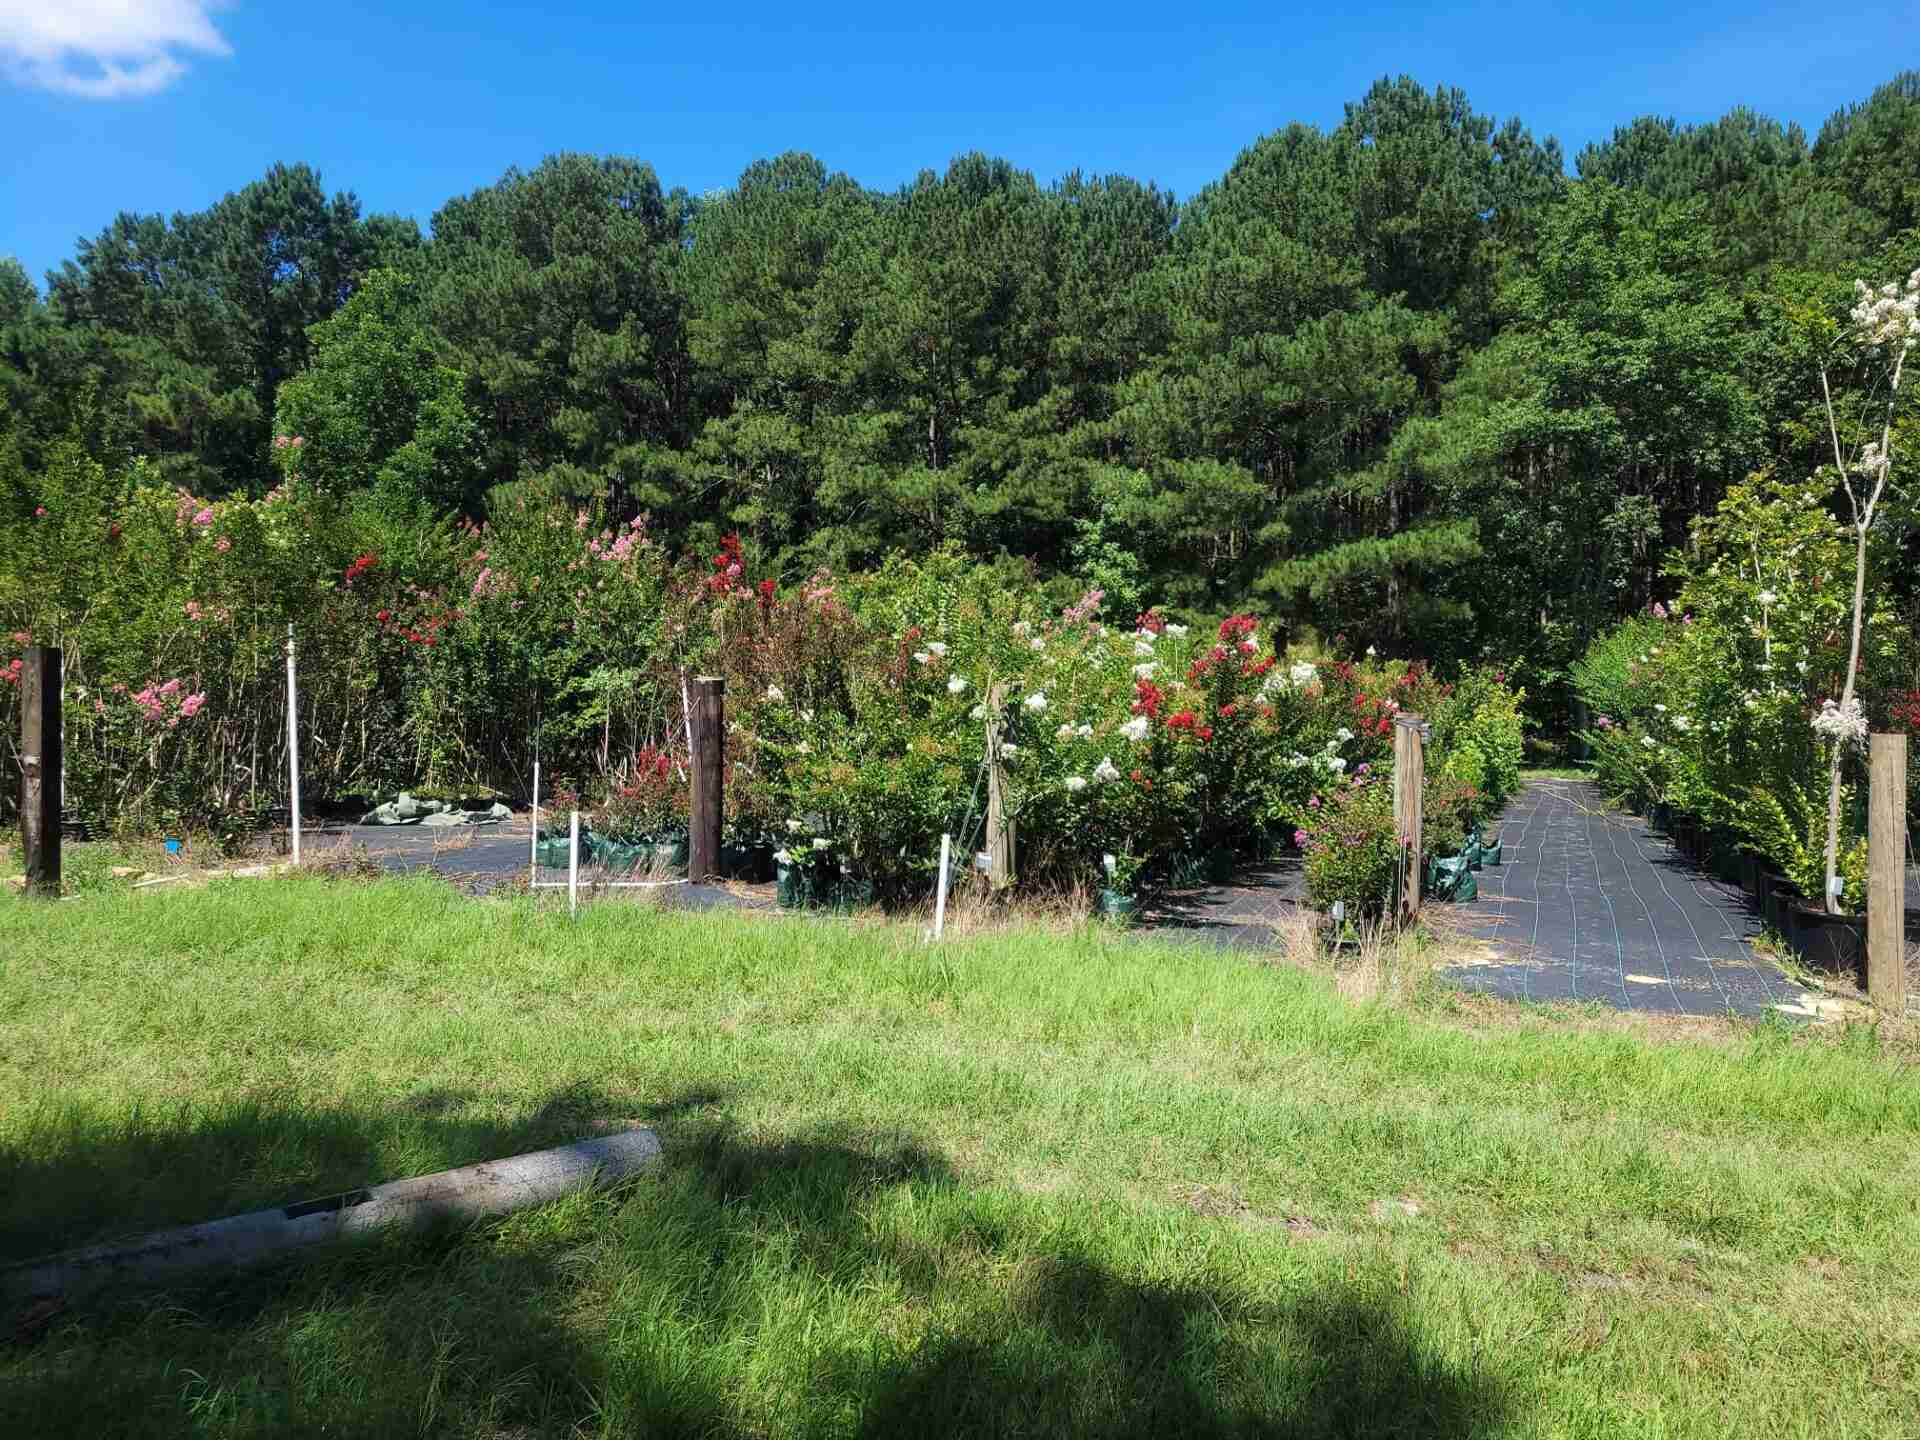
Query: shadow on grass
{"points": [[831, 1283]]}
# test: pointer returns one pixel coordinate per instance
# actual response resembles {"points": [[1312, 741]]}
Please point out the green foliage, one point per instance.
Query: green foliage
{"points": [[1352, 850]]}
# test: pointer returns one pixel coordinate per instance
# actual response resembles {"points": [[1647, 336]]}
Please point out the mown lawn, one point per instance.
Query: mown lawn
{"points": [[1041, 1183]]}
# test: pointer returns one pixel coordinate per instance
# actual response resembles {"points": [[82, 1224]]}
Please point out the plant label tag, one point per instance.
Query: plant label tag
{"points": [[1836, 886]]}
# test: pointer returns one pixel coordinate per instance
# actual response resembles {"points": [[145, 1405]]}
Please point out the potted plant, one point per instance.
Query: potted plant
{"points": [[1117, 902]]}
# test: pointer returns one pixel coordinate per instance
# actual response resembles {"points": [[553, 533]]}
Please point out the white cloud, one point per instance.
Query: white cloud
{"points": [[104, 49]]}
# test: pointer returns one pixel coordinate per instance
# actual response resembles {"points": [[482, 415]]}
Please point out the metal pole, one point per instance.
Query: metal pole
{"points": [[533, 842], [940, 897], [293, 749], [573, 862]]}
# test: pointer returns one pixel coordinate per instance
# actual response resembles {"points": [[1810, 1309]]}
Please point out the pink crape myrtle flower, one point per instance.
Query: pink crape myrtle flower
{"points": [[204, 518]]}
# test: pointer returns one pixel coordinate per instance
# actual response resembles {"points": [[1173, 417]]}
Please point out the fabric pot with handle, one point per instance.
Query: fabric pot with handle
{"points": [[1831, 944]]}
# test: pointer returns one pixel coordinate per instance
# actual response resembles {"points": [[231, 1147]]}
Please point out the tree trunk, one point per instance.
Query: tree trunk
{"points": [[1846, 699]]}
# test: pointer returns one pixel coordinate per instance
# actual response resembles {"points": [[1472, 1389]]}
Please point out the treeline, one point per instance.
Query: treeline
{"points": [[1404, 380]]}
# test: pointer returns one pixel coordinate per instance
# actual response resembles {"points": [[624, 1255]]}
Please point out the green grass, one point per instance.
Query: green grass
{"points": [[1038, 1182]]}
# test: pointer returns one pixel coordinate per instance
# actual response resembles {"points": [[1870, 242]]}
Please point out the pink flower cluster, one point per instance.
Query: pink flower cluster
{"points": [[288, 442], [166, 702]]}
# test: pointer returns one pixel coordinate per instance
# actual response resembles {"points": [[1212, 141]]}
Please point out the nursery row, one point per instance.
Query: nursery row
{"points": [[444, 660], [1724, 714]]}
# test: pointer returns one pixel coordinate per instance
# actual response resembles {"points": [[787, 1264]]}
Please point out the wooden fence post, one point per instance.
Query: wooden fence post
{"points": [[41, 768], [708, 732], [1887, 873], [1409, 785], [999, 824]]}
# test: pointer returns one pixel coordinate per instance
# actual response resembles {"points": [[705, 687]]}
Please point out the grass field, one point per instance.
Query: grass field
{"points": [[1044, 1182]]}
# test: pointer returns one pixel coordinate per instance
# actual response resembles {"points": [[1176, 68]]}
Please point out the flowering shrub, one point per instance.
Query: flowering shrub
{"points": [[1352, 850], [442, 661], [1724, 705]]}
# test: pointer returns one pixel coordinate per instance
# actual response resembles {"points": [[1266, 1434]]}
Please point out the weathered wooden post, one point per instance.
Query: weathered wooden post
{"points": [[999, 823], [41, 769], [1409, 783], [708, 726], [1887, 873]]}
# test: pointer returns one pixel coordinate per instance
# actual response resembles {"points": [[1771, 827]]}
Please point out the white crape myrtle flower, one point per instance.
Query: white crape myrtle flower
{"points": [[938, 647], [1145, 672], [1343, 734], [1176, 630], [1767, 599], [1842, 723], [1065, 732], [1889, 316], [1661, 709], [1682, 723], [1106, 772], [783, 857], [1009, 750], [921, 657], [1143, 647], [804, 748], [1144, 635], [1648, 741], [1036, 702], [1801, 666], [1074, 784], [1021, 627], [1338, 764], [794, 827], [1303, 673], [1371, 652], [807, 715], [1084, 732], [1135, 729], [956, 684], [979, 712], [1038, 643], [775, 693], [820, 842]]}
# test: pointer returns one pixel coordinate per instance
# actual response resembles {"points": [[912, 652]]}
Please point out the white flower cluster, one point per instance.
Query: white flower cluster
{"points": [[1070, 731], [1106, 772], [1887, 316], [1074, 784], [1135, 729], [956, 684], [1036, 702], [1841, 723]]}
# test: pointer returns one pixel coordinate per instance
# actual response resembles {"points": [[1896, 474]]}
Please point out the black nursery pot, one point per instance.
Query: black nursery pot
{"points": [[1831, 944], [1661, 817], [1778, 907]]}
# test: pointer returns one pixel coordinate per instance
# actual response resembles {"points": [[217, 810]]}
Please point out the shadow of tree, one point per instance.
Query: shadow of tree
{"points": [[835, 1282]]}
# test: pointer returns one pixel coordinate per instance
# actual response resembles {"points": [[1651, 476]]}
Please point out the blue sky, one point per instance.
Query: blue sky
{"points": [[165, 105]]}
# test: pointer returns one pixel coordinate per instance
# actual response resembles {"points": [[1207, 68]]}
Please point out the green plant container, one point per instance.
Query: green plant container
{"points": [[622, 859], [672, 852], [1474, 854], [551, 853], [1452, 879], [1494, 854], [1118, 909], [793, 887]]}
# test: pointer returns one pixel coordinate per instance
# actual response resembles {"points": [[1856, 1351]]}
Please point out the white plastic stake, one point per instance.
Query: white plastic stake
{"points": [[293, 748], [573, 862], [940, 897], [533, 844]]}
